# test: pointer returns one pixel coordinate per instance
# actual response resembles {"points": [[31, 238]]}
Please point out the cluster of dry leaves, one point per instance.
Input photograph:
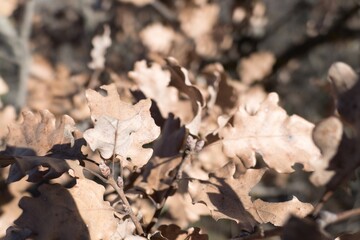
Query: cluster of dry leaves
{"points": [[149, 154]]}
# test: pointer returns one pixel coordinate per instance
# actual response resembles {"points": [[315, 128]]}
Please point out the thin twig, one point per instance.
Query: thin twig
{"points": [[170, 190], [120, 191], [25, 32], [341, 217]]}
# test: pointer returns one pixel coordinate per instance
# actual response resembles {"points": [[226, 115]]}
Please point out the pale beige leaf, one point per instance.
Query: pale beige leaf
{"points": [[7, 116], [163, 40], [101, 43], [282, 141], [154, 82], [7, 7], [257, 66], [121, 128], [278, 213], [126, 231], [327, 136], [139, 3]]}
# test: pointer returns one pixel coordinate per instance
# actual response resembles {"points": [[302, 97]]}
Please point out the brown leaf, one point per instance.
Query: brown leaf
{"points": [[281, 140], [183, 211], [37, 168], [156, 175], [157, 44], [7, 116], [278, 213], [121, 128], [171, 139], [180, 80], [327, 135], [43, 134], [228, 197], [76, 213], [126, 231], [257, 66], [154, 82]]}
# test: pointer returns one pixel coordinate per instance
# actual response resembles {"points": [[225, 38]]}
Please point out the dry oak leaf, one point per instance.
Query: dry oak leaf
{"points": [[43, 134], [327, 136], [228, 198], [154, 82], [121, 128], [158, 44], [282, 141], [76, 213], [37, 168], [126, 231], [181, 81], [256, 67], [174, 232]]}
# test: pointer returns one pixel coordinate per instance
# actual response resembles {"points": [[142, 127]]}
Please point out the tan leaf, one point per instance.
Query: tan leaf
{"points": [[181, 81], [327, 135], [42, 134], [7, 7], [228, 197], [183, 211], [126, 231], [278, 213], [256, 67], [139, 3], [7, 116], [121, 128], [3, 87], [76, 213], [154, 82], [281, 140], [157, 44], [192, 20]]}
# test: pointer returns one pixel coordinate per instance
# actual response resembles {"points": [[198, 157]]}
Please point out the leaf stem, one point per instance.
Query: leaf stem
{"points": [[341, 217], [170, 190], [120, 191]]}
